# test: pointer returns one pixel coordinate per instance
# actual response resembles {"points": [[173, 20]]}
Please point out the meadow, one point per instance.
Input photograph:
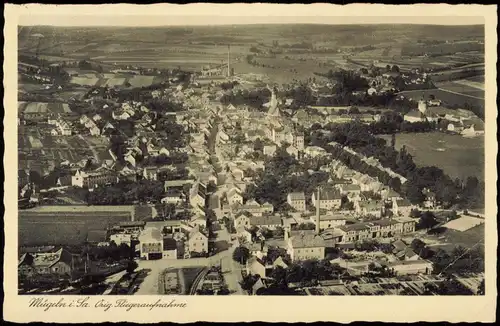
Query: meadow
{"points": [[461, 158]]}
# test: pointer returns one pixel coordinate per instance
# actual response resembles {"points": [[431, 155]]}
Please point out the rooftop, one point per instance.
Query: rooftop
{"points": [[265, 220], [297, 196], [305, 240]]}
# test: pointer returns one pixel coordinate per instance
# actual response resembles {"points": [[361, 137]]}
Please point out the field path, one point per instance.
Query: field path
{"points": [[452, 92]]}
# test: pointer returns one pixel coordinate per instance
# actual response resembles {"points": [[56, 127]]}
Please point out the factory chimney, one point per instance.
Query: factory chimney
{"points": [[317, 210], [228, 60]]}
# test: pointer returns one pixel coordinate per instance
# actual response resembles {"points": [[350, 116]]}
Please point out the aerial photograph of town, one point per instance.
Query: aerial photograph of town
{"points": [[283, 159]]}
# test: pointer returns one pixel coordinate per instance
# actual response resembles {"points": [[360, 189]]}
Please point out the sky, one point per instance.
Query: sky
{"points": [[238, 14]]}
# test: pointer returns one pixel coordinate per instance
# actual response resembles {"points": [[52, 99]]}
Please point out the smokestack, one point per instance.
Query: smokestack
{"points": [[317, 210], [228, 59]]}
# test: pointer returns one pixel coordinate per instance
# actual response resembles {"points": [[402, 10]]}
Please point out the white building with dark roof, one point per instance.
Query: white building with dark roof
{"points": [[297, 200]]}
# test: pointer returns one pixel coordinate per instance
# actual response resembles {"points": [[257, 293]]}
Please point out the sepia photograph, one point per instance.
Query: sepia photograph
{"points": [[251, 156]]}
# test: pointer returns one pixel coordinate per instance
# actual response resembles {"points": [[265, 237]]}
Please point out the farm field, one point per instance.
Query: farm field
{"points": [[63, 227], [477, 79], [463, 87], [463, 157]]}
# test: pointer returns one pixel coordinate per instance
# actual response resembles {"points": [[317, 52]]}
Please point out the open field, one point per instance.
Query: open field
{"points": [[63, 227], [464, 87], [463, 157]]}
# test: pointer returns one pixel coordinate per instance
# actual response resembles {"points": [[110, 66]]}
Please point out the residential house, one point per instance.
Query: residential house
{"points": [[256, 266], [355, 232], [242, 219], [271, 222], [234, 196], [63, 128], [58, 262], [237, 173], [151, 243], [197, 241], [169, 248], [173, 197], [406, 225], [430, 199], [402, 207], [349, 190], [329, 199], [369, 208], [254, 208], [243, 234], [297, 200], [198, 196], [390, 195], [270, 150], [344, 172], [314, 151], [306, 246], [199, 220]]}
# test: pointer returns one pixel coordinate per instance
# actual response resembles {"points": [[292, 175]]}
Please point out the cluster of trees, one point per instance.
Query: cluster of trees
{"points": [[370, 245], [228, 85], [307, 272], [254, 98], [241, 254], [126, 193], [301, 95], [360, 138], [86, 65], [347, 81], [426, 220], [284, 174], [111, 253]]}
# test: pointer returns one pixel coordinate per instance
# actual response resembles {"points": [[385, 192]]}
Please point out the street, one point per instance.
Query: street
{"points": [[230, 268]]}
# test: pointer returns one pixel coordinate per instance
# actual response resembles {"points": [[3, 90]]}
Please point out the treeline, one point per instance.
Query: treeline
{"points": [[359, 137]]}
